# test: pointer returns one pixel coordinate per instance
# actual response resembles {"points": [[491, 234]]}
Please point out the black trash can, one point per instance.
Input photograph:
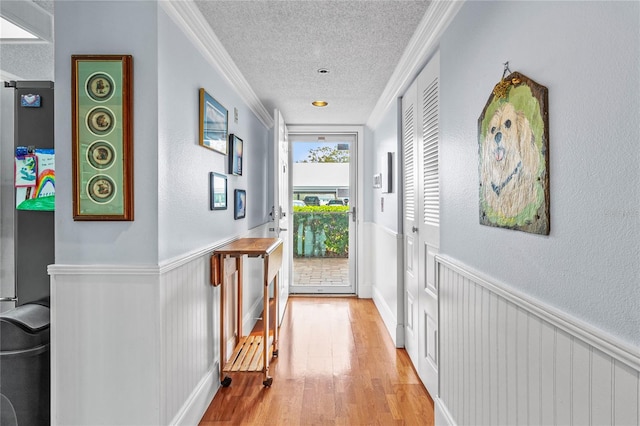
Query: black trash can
{"points": [[25, 372]]}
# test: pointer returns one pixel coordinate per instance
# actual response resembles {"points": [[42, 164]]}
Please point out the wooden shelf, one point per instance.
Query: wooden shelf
{"points": [[248, 355]]}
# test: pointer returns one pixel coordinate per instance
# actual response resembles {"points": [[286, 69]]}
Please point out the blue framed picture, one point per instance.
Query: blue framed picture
{"points": [[213, 123], [240, 203]]}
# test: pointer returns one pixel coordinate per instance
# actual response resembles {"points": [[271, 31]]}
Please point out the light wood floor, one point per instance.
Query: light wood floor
{"points": [[337, 365]]}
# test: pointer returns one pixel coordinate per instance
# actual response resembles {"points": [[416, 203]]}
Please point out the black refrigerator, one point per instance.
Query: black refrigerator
{"points": [[25, 378], [33, 229]]}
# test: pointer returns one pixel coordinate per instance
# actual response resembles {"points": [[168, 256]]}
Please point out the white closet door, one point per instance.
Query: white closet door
{"points": [[428, 184], [410, 221]]}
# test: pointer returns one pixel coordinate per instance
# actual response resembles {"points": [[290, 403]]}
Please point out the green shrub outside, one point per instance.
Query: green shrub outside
{"points": [[334, 220]]}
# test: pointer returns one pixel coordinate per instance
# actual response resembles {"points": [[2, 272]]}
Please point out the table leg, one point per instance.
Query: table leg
{"points": [[276, 298], [239, 268], [265, 335], [225, 381]]}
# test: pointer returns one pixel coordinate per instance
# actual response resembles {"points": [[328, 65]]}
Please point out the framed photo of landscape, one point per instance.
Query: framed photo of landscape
{"points": [[213, 123], [102, 137]]}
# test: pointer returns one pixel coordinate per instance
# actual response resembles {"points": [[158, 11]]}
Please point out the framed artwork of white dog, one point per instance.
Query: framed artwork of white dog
{"points": [[513, 139]]}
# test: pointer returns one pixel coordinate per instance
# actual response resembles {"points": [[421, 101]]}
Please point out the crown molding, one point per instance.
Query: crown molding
{"points": [[189, 18], [423, 44]]}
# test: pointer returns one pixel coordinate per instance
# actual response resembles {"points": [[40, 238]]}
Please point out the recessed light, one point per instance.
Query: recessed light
{"points": [[319, 103], [323, 71]]}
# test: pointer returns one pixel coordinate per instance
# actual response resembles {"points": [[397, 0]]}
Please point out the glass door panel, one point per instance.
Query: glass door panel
{"points": [[323, 232]]}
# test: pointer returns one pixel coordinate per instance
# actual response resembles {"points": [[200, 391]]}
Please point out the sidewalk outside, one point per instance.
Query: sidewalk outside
{"points": [[318, 271]]}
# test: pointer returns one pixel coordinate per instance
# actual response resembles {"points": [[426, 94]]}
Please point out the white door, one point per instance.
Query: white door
{"points": [[410, 223], [282, 205], [420, 137], [429, 223], [324, 173]]}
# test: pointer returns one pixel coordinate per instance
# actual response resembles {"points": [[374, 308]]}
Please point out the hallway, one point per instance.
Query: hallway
{"points": [[337, 366]]}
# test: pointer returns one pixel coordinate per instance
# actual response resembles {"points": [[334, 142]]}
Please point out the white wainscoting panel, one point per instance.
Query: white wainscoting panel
{"points": [[387, 275], [105, 367], [139, 344], [189, 338], [509, 360]]}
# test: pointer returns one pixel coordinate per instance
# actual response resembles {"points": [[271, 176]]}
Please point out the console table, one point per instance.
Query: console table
{"points": [[252, 352]]}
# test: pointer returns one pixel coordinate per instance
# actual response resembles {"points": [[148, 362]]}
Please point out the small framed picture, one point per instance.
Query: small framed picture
{"points": [[235, 155], [213, 123], [218, 191], [240, 209]]}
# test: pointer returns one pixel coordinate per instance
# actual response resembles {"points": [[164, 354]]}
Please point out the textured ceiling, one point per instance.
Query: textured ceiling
{"points": [[279, 46]]}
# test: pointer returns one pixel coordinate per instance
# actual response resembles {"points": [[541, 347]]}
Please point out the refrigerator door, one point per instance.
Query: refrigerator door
{"points": [[33, 229]]}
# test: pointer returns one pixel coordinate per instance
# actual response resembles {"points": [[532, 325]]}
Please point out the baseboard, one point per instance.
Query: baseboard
{"points": [[365, 291], [196, 405], [389, 319], [442, 415]]}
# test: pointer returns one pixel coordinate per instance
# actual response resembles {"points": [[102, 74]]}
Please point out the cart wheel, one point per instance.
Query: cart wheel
{"points": [[275, 353], [267, 383], [226, 382]]}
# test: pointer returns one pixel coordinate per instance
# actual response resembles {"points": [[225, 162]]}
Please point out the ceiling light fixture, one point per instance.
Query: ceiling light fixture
{"points": [[319, 104], [323, 71]]}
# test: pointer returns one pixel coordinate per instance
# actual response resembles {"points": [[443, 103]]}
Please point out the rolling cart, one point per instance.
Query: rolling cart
{"points": [[252, 352]]}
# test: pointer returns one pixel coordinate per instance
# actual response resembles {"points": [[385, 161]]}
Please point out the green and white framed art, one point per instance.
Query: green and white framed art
{"points": [[102, 132]]}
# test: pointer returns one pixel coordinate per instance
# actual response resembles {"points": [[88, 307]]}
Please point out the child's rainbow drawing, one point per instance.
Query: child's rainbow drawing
{"points": [[42, 196]]}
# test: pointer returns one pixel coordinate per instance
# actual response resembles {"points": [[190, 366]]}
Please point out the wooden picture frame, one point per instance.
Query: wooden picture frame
{"points": [[213, 123], [102, 137], [240, 204], [218, 191], [235, 155]]}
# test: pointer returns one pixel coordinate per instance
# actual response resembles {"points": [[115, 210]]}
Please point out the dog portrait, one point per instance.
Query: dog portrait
{"points": [[513, 161]]}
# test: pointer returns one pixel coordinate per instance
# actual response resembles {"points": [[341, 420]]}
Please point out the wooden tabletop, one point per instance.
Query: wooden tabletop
{"points": [[250, 246]]}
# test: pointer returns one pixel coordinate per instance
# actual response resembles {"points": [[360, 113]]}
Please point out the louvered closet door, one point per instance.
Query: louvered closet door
{"points": [[428, 184], [410, 222]]}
